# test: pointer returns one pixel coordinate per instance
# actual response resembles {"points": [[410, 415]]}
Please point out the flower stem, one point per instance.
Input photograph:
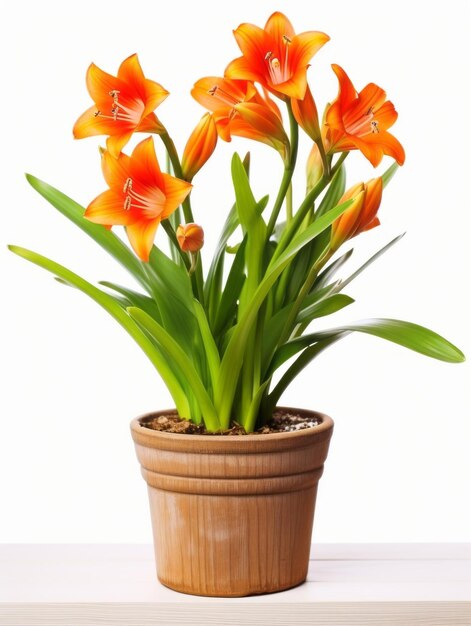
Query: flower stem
{"points": [[288, 173], [173, 238], [306, 205], [197, 275]]}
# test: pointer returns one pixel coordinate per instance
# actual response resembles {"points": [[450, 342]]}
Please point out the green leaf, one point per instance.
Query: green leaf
{"points": [[135, 298], [371, 260], [227, 310], [212, 353], [324, 307], [115, 310], [105, 238], [178, 355], [330, 271], [406, 334], [213, 283], [270, 402], [410, 336], [334, 192], [253, 226]]}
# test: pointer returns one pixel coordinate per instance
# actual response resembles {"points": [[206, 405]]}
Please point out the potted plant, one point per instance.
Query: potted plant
{"points": [[232, 476]]}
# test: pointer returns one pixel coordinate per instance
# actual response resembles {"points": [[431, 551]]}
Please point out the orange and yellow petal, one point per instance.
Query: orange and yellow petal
{"points": [[175, 191], [344, 227], [347, 92], [305, 113], [389, 145], [263, 121], [108, 209], [190, 237], [100, 83], [115, 143], [200, 146], [144, 165], [115, 169], [150, 92], [279, 26], [242, 69], [141, 236], [150, 124]]}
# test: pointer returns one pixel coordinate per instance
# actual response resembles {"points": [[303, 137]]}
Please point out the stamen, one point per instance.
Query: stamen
{"points": [[127, 203], [114, 93], [275, 63], [268, 56], [127, 185], [374, 127], [223, 96], [286, 40], [97, 113]]}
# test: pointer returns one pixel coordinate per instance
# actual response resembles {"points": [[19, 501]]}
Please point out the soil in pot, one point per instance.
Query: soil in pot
{"points": [[281, 422]]}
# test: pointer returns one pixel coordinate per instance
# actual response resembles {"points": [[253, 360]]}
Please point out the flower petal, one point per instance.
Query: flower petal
{"points": [[254, 45], [108, 209], [388, 144], [141, 236], [144, 165], [115, 170], [278, 26], [347, 92], [150, 92], [115, 143], [90, 124], [175, 191], [242, 69], [100, 83]]}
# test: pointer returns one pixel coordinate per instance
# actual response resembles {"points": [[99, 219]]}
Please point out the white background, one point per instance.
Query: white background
{"points": [[399, 466]]}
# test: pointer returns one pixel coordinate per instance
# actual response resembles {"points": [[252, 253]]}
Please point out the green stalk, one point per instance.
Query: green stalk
{"points": [[289, 203], [197, 276], [288, 173], [305, 207], [173, 239]]}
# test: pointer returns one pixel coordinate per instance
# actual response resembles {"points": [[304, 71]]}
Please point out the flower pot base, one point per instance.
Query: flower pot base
{"points": [[232, 516]]}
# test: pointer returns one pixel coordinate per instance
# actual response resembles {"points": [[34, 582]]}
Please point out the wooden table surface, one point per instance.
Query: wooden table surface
{"points": [[348, 584]]}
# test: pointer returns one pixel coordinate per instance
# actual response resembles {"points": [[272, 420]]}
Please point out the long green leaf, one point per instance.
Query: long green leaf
{"points": [[406, 334], [213, 283], [295, 368], [183, 362], [371, 260], [134, 298], [324, 307], [105, 238], [115, 310]]}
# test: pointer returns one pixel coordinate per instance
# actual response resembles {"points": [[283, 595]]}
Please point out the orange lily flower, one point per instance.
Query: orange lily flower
{"points": [[275, 56], [200, 146], [190, 237], [139, 197], [361, 120], [360, 215], [123, 105], [239, 110]]}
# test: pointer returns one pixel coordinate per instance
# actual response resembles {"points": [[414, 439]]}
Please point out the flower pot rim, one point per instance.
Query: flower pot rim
{"points": [[239, 443]]}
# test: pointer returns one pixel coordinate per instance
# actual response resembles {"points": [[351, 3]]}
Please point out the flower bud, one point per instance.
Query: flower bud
{"points": [[200, 146], [305, 113], [360, 215], [314, 168], [190, 237]]}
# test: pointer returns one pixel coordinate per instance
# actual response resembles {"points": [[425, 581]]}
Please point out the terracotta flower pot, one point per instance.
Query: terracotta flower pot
{"points": [[232, 516]]}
